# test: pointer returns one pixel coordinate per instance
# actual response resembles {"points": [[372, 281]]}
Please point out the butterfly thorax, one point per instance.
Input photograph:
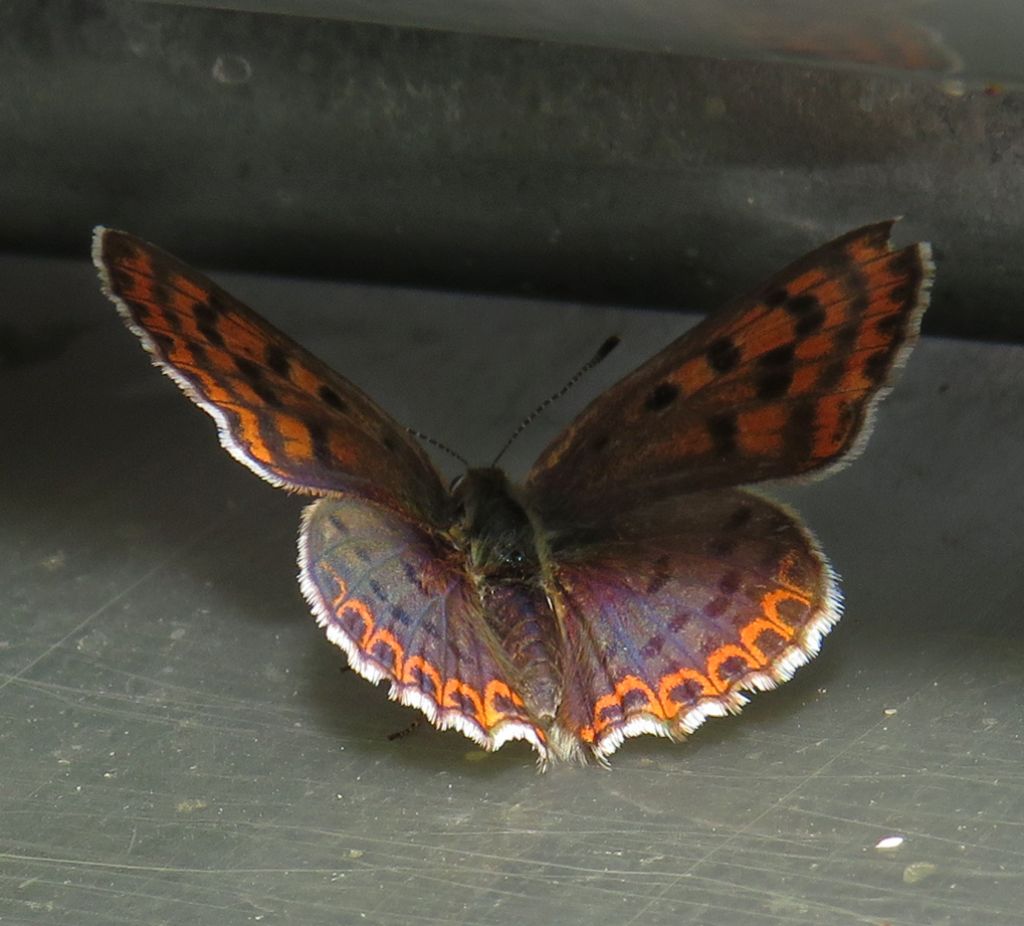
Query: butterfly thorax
{"points": [[494, 528]]}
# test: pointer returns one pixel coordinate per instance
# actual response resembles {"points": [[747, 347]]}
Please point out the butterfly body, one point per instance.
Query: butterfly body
{"points": [[629, 585]]}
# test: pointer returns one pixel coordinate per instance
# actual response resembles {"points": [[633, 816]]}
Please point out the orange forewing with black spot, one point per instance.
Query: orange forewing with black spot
{"points": [[779, 383], [279, 410]]}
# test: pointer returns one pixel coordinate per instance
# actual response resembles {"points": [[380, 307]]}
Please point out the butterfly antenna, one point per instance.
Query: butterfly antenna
{"points": [[603, 351], [426, 438]]}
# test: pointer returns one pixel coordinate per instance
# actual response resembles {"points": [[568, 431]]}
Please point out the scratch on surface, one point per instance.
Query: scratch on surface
{"points": [[158, 869], [743, 832], [81, 626], [213, 715]]}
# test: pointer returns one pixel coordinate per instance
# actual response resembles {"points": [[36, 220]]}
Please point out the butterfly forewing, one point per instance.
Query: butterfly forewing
{"points": [[777, 384], [279, 410]]}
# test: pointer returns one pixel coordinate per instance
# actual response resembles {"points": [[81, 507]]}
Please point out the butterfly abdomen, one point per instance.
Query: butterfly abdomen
{"points": [[524, 627]]}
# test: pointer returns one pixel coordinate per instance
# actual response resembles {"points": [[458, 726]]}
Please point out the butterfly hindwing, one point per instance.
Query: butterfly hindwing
{"points": [[396, 596], [673, 610], [279, 410], [777, 384]]}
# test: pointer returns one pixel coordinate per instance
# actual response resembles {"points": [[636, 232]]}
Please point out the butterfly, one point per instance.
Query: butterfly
{"points": [[629, 585]]}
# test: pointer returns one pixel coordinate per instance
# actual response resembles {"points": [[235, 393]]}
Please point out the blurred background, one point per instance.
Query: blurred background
{"points": [[658, 153]]}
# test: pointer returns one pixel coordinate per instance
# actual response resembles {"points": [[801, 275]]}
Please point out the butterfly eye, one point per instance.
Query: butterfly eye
{"points": [[516, 557]]}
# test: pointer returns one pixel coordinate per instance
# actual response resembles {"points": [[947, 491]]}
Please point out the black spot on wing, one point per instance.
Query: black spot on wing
{"points": [[661, 397], [267, 395], [680, 620], [808, 313], [876, 367], [723, 355], [846, 336], [774, 384], [199, 355], [733, 669], [729, 584], [218, 301], [383, 653], [321, 446], [686, 692], [722, 429], [206, 323], [652, 647], [460, 701], [399, 614], [162, 297], [277, 360], [253, 375], [889, 325], [777, 357], [776, 373], [635, 700], [611, 713], [165, 343], [330, 397], [810, 323], [424, 682], [251, 371]]}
